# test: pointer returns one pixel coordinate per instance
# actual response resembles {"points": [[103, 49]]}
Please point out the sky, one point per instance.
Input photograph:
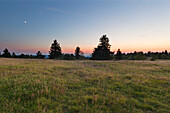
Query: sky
{"points": [[27, 26]]}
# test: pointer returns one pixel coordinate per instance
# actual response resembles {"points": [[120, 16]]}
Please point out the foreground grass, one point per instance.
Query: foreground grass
{"points": [[84, 86]]}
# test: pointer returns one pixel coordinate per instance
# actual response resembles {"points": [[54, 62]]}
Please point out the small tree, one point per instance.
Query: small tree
{"points": [[166, 52], [154, 57], [119, 55], [39, 55], [13, 55], [22, 55], [55, 50], [149, 54], [6, 53]]}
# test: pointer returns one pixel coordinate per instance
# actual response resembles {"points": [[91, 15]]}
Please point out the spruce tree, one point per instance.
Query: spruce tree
{"points": [[13, 55], [166, 52], [55, 50], [6, 53], [77, 52], [102, 52]]}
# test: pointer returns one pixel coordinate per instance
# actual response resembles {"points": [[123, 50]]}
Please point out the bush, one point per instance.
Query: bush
{"points": [[68, 57], [154, 57], [163, 56], [140, 57]]}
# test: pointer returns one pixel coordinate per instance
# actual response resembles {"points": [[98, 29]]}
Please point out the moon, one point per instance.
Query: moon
{"points": [[25, 21]]}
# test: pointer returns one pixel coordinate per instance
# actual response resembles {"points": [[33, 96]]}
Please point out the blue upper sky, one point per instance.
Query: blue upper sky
{"points": [[131, 25]]}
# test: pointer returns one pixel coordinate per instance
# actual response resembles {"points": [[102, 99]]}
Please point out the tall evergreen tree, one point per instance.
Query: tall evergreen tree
{"points": [[166, 52], [55, 50], [102, 52], [104, 42], [6, 53], [77, 52]]}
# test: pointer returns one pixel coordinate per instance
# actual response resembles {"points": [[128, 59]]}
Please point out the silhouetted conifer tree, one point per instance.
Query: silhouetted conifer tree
{"points": [[149, 54], [166, 52], [55, 50], [119, 55], [39, 55], [102, 52], [77, 52], [6, 53], [13, 55], [22, 55], [135, 53]]}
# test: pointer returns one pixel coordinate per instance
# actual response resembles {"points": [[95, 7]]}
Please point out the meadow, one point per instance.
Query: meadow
{"points": [[35, 85]]}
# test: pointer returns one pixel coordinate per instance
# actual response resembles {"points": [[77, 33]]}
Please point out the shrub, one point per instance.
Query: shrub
{"points": [[140, 56], [68, 57], [154, 57]]}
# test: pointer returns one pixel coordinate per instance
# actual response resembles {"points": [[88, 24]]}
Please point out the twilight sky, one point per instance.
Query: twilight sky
{"points": [[141, 25]]}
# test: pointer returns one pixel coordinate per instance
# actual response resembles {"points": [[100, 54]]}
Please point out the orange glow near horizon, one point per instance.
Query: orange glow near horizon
{"points": [[90, 50], [128, 50], [85, 49]]}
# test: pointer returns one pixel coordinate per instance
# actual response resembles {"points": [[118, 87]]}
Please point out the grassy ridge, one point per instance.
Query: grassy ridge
{"points": [[84, 86]]}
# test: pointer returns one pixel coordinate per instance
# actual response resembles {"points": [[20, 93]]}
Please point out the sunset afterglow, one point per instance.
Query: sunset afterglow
{"points": [[131, 25]]}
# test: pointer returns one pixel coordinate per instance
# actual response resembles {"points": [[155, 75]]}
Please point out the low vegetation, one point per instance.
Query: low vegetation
{"points": [[36, 85]]}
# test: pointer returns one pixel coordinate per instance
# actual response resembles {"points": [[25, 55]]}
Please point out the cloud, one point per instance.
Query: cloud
{"points": [[62, 11]]}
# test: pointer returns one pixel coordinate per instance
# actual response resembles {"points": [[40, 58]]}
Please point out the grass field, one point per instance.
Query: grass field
{"points": [[32, 85]]}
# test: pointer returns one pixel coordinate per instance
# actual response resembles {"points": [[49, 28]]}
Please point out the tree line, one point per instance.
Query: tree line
{"points": [[101, 52]]}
